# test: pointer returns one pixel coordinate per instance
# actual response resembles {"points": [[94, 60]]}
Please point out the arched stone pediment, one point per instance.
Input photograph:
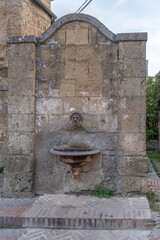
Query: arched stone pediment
{"points": [[77, 17]]}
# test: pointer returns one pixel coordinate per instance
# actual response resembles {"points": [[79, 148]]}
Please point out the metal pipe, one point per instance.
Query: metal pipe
{"points": [[46, 9]]}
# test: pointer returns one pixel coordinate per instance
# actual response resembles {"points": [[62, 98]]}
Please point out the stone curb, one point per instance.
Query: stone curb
{"points": [[76, 223], [21, 39]]}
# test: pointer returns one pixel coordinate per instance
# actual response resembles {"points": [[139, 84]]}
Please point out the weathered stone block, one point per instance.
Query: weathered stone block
{"points": [[92, 123], [50, 70], [109, 70], [48, 183], [74, 70], [92, 88], [49, 106], [132, 144], [20, 143], [21, 104], [44, 71], [131, 87], [129, 184], [109, 88], [99, 105], [21, 86], [86, 52], [21, 69], [82, 88], [106, 52], [17, 164], [96, 37], [133, 68], [3, 134], [3, 113], [21, 123], [109, 122], [4, 147], [67, 88], [132, 105], [87, 180], [21, 52], [69, 53], [133, 166], [41, 123], [56, 123], [18, 185], [78, 104], [61, 35], [44, 53], [109, 165], [42, 89], [132, 50], [95, 70], [3, 158], [130, 123], [77, 35]]}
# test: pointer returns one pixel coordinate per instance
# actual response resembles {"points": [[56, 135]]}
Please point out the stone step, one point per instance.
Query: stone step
{"points": [[49, 234], [83, 212]]}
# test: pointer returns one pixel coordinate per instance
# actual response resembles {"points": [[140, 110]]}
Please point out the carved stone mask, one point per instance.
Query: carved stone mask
{"points": [[76, 119]]}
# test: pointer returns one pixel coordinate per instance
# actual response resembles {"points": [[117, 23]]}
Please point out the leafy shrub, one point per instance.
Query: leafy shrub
{"points": [[152, 106], [102, 192]]}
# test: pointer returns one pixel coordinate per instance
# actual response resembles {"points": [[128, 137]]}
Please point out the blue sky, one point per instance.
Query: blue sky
{"points": [[123, 16]]}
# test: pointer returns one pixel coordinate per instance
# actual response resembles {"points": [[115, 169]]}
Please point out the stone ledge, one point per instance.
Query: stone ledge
{"points": [[141, 36], [21, 39]]}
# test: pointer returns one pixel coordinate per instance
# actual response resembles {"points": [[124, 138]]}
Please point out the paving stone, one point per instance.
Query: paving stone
{"points": [[45, 234]]}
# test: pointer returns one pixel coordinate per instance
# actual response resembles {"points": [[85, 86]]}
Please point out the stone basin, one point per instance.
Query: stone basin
{"points": [[75, 157], [71, 151]]}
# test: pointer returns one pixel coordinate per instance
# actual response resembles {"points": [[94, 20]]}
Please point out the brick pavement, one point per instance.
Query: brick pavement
{"points": [[71, 212], [46, 234]]}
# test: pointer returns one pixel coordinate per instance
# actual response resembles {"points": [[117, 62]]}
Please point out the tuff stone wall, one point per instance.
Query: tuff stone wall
{"points": [[19, 166], [20, 17], [80, 67], [17, 17], [76, 72], [34, 21], [132, 164]]}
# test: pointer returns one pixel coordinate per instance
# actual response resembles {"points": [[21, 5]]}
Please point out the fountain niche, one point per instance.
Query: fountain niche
{"points": [[82, 106]]}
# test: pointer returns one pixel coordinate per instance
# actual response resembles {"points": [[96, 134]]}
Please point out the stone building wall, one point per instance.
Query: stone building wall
{"points": [[80, 67], [17, 17], [34, 20], [21, 17]]}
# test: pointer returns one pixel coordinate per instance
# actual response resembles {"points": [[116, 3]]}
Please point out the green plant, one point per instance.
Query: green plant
{"points": [[3, 67], [152, 196], [101, 192], [154, 156], [152, 106], [153, 201], [2, 169]]}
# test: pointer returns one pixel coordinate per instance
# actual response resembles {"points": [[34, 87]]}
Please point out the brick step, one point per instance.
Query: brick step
{"points": [[84, 212], [76, 223], [48, 234]]}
